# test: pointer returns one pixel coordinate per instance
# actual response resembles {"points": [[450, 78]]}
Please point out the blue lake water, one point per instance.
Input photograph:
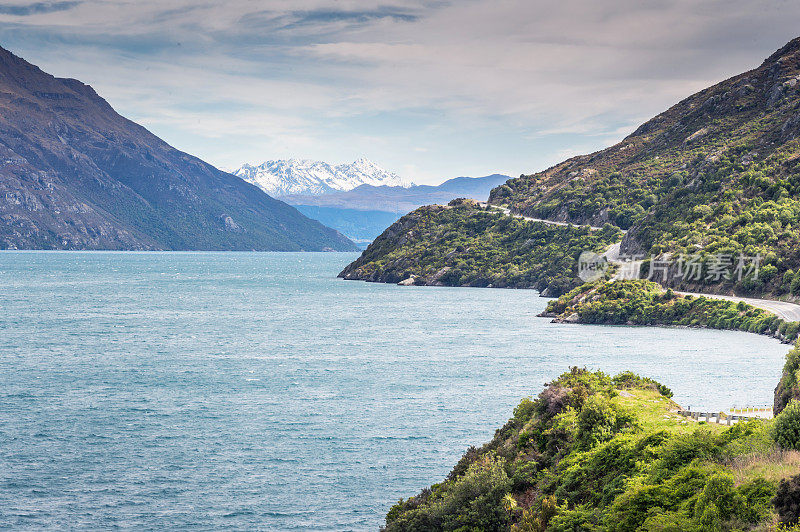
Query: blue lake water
{"points": [[257, 391]]}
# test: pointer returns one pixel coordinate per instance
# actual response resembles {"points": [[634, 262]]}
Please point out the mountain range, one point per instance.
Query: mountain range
{"points": [[74, 174], [299, 176], [365, 211], [360, 199]]}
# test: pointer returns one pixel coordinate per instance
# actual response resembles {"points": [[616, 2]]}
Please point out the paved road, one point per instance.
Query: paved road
{"points": [[542, 220], [782, 309], [612, 254]]}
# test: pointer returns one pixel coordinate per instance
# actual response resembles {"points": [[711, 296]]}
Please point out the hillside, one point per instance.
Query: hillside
{"points": [[74, 174], [464, 244], [716, 174], [642, 302], [595, 453]]}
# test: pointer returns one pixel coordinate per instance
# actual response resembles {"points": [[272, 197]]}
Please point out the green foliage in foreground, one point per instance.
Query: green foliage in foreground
{"points": [[464, 245], [789, 386], [643, 302], [787, 427], [587, 456]]}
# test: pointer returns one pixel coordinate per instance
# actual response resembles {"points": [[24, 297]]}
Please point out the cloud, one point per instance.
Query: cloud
{"points": [[479, 85], [358, 17], [35, 8]]}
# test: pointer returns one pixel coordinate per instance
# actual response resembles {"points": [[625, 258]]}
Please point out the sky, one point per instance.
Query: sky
{"points": [[428, 89]]}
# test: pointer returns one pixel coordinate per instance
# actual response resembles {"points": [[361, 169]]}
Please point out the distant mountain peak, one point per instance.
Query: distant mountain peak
{"points": [[303, 176]]}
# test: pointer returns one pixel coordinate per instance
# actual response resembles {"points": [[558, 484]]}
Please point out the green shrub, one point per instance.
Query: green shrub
{"points": [[629, 379], [599, 420], [631, 509], [580, 518], [668, 522], [791, 331], [757, 507], [788, 387], [711, 520], [718, 493], [794, 287], [787, 427], [472, 501]]}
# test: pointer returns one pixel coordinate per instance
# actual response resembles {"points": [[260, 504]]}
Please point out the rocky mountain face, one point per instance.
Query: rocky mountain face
{"points": [[747, 118], [296, 176], [716, 175], [74, 174], [701, 171]]}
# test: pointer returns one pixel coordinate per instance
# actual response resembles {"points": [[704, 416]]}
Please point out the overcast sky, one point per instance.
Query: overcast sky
{"points": [[429, 89]]}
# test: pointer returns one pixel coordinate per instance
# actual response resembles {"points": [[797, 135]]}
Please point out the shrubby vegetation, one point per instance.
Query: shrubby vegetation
{"points": [[643, 302], [788, 388], [787, 427], [465, 245], [717, 173], [599, 453]]}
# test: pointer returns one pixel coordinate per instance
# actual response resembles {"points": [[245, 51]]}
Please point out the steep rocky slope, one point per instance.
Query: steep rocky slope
{"points": [[74, 174]]}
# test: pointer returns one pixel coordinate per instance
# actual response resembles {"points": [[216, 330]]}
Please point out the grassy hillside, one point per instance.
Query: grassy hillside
{"points": [[597, 453]]}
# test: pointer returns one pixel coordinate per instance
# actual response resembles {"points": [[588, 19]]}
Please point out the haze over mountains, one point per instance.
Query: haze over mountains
{"points": [[74, 174], [402, 199]]}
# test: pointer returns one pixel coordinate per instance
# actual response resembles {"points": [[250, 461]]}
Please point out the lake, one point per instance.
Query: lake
{"points": [[257, 391]]}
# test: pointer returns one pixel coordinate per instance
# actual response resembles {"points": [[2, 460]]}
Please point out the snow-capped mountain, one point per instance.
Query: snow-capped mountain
{"points": [[296, 176]]}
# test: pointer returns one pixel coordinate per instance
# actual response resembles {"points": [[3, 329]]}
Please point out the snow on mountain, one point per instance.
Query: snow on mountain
{"points": [[296, 176]]}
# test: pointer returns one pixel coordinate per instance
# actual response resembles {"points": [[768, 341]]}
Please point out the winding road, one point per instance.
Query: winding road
{"points": [[542, 220], [783, 309]]}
